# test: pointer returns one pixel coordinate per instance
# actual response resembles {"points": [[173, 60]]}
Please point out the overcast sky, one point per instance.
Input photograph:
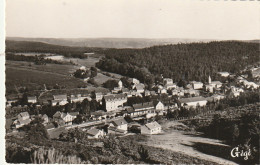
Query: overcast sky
{"points": [[133, 19]]}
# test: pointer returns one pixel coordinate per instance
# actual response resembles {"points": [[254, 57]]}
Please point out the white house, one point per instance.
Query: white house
{"points": [[134, 81], [32, 99], [167, 81], [223, 74], [112, 102], [192, 101], [151, 128], [159, 106], [197, 85], [99, 96]]}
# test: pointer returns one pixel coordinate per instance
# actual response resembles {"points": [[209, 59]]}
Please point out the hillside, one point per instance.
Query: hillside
{"points": [[108, 42], [194, 61]]}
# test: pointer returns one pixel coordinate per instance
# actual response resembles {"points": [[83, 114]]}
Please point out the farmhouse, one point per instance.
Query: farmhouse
{"points": [[151, 128], [32, 99], [112, 102], [192, 102]]}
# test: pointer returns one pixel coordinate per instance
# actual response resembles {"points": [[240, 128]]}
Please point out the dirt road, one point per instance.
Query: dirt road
{"points": [[181, 142]]}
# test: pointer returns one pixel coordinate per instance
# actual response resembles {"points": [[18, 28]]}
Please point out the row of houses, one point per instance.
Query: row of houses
{"points": [[120, 127]]}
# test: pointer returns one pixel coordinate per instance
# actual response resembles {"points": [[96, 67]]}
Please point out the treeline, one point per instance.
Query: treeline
{"points": [[194, 61], [39, 60], [38, 47]]}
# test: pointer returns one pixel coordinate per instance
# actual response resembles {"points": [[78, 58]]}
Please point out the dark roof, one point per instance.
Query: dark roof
{"points": [[119, 122], [192, 99], [143, 105], [73, 113], [60, 97], [115, 96], [93, 131]]}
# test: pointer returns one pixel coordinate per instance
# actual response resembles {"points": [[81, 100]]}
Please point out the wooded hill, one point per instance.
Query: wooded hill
{"points": [[194, 61], [39, 47]]}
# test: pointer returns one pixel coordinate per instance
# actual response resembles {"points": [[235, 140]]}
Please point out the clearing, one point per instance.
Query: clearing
{"points": [[188, 144]]}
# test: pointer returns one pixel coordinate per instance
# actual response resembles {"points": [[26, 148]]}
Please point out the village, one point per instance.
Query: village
{"points": [[133, 110]]}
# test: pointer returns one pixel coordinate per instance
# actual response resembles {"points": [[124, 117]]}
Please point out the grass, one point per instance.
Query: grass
{"points": [[19, 74]]}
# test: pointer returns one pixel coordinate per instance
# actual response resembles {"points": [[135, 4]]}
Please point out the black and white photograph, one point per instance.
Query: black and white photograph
{"points": [[131, 82]]}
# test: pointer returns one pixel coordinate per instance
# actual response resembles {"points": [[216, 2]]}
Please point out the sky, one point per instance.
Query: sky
{"points": [[196, 19]]}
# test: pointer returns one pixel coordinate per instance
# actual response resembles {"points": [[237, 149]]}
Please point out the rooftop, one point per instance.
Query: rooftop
{"points": [[152, 125], [192, 99]]}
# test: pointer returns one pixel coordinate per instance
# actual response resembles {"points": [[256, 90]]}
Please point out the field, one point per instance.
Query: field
{"points": [[20, 74]]}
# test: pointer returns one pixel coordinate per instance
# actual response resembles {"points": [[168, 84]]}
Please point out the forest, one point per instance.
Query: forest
{"points": [[194, 61], [39, 47]]}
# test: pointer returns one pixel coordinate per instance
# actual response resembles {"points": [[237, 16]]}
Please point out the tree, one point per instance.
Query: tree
{"points": [[110, 84], [37, 131]]}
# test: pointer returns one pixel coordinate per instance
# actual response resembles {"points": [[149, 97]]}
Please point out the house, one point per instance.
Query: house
{"points": [[216, 84], [197, 85], [151, 128], [119, 124], [139, 88], [192, 101], [66, 117], [98, 115], [134, 81], [23, 118], [170, 86], [95, 133], [223, 74], [142, 108], [99, 96], [167, 81], [112, 102], [209, 88], [76, 98], [59, 99], [45, 118], [125, 91], [32, 99], [159, 105], [162, 91]]}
